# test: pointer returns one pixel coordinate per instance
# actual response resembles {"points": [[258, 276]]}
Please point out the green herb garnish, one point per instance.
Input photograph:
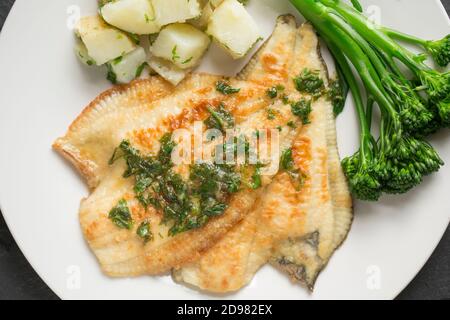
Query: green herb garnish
{"points": [[120, 215], [274, 91], [287, 164], [185, 205], [111, 75], [309, 82], [220, 119], [302, 109], [144, 231], [225, 88], [175, 55]]}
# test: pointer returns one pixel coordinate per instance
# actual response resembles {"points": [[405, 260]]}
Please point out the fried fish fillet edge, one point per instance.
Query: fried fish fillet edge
{"points": [[63, 145]]}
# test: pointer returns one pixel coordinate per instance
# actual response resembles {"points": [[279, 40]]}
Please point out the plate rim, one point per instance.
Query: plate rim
{"points": [[61, 295]]}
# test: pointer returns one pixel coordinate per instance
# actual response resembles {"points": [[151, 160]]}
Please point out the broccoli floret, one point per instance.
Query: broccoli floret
{"points": [[444, 111], [439, 50], [414, 115], [408, 163], [362, 177], [436, 84]]}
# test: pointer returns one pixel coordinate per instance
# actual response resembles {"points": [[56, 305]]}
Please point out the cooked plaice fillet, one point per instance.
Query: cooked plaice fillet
{"points": [[329, 214], [91, 139], [223, 268], [304, 257], [121, 252], [295, 230], [264, 231]]}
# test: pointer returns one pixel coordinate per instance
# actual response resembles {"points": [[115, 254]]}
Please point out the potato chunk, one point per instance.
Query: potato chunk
{"points": [[233, 28], [175, 10], [182, 44], [134, 16], [82, 53], [103, 43], [168, 70], [202, 21], [128, 67]]}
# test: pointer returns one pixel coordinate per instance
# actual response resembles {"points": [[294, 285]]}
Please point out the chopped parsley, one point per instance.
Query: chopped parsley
{"points": [[274, 91], [111, 75], [120, 215], [337, 93], [291, 124], [140, 69], [220, 119], [148, 19], [187, 60], [271, 114], [225, 88], [287, 164], [309, 82], [136, 39], [185, 205], [175, 55], [251, 176], [302, 109], [144, 231], [286, 160]]}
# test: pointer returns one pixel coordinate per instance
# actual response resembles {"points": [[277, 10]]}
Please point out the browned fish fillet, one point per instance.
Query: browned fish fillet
{"points": [[282, 226], [223, 268], [91, 139], [296, 230], [121, 252]]}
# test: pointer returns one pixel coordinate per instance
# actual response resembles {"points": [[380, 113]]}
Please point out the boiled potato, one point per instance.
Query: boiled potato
{"points": [[182, 44], [233, 28], [167, 70], [175, 10], [128, 67], [203, 20], [82, 53], [134, 16], [103, 43]]}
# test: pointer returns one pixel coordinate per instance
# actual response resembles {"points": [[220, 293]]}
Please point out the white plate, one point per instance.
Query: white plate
{"points": [[43, 88]]}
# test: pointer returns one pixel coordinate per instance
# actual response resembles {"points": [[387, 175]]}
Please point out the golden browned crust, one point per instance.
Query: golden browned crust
{"points": [[142, 91]]}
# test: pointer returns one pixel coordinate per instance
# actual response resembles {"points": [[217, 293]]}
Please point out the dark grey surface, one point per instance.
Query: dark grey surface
{"points": [[19, 281]]}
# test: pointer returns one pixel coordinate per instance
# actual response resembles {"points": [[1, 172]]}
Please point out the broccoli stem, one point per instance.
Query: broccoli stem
{"points": [[438, 49], [353, 86], [435, 84], [369, 110], [359, 168], [403, 36], [357, 5], [375, 35]]}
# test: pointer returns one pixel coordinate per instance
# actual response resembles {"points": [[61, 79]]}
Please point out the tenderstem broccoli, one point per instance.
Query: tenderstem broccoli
{"points": [[439, 50], [410, 108]]}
